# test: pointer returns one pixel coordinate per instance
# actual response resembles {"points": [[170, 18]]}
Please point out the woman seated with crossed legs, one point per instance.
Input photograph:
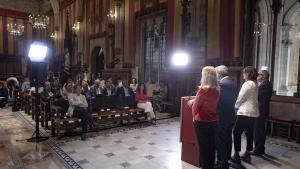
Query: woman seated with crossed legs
{"points": [[144, 102], [78, 108]]}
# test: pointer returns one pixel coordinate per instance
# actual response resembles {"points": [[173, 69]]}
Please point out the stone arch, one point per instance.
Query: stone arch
{"points": [[97, 58], [265, 16]]}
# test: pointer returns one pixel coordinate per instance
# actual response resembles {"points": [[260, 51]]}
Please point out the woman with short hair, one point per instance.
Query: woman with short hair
{"points": [[247, 110], [205, 116]]}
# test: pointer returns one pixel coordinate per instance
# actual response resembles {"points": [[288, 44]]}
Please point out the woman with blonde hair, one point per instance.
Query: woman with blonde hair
{"points": [[205, 116]]}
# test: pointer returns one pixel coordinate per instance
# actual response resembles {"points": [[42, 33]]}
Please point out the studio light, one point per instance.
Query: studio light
{"points": [[180, 59], [37, 52], [264, 68]]}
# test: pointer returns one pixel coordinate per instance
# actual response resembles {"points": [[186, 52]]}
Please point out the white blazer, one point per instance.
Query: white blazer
{"points": [[247, 101], [75, 100]]}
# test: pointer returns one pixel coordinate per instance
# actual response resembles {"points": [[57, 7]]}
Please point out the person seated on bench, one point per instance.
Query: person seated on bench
{"points": [[143, 101], [78, 108], [3, 95], [161, 93], [26, 85], [109, 88], [86, 91], [123, 90], [96, 89], [46, 95], [133, 84]]}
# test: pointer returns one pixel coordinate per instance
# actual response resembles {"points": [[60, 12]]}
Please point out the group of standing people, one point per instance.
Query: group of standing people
{"points": [[218, 112]]}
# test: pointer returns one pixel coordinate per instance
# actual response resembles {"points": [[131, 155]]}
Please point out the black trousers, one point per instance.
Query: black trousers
{"points": [[85, 117], [205, 132], [224, 144], [259, 135], [243, 124]]}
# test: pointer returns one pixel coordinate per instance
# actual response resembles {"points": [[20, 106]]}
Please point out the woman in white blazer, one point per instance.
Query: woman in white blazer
{"points": [[78, 108], [247, 110]]}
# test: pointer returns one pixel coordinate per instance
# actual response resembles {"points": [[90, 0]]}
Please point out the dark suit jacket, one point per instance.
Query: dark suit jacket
{"points": [[225, 107], [93, 92], [45, 96], [264, 97], [120, 91]]}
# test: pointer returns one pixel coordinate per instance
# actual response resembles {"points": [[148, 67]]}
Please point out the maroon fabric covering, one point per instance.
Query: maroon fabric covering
{"points": [[190, 148], [227, 21]]}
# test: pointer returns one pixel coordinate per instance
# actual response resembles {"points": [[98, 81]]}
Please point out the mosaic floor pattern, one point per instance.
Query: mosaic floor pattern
{"points": [[16, 152], [138, 147]]}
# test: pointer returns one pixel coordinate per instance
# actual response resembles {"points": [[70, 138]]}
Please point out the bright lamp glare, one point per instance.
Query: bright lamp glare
{"points": [[264, 68], [37, 52], [180, 59]]}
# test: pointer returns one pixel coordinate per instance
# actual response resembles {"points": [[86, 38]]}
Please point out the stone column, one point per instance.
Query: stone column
{"points": [[276, 7], [119, 32], [283, 59]]}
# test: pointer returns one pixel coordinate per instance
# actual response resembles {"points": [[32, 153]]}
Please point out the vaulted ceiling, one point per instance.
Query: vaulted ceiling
{"points": [[29, 6]]}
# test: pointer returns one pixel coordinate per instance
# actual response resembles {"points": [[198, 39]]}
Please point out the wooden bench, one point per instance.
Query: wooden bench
{"points": [[60, 122], [28, 103], [283, 113], [118, 108], [44, 113]]}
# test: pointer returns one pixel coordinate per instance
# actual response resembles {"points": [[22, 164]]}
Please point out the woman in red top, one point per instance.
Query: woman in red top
{"points": [[205, 116], [143, 101]]}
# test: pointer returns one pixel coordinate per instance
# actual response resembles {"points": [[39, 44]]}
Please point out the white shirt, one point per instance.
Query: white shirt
{"points": [[247, 101], [76, 100]]}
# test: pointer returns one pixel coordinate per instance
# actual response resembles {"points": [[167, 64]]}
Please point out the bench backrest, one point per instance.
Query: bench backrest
{"points": [[111, 102]]}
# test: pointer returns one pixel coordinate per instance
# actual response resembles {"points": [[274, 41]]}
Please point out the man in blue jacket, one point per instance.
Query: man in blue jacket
{"points": [[226, 117], [264, 97]]}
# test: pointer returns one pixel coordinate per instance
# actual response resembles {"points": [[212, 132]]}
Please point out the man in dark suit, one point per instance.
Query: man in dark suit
{"points": [[226, 117], [123, 90], [264, 97], [97, 89]]}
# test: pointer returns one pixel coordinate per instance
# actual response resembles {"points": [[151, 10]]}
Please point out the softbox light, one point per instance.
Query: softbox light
{"points": [[37, 52]]}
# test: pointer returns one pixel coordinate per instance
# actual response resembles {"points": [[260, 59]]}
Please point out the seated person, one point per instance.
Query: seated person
{"points": [[78, 108], [109, 88], [97, 90], [161, 93], [133, 84], [26, 85], [143, 101], [123, 90], [86, 91], [3, 95], [47, 94]]}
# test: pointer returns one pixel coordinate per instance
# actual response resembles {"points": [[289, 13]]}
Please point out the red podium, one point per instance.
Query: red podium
{"points": [[190, 148]]}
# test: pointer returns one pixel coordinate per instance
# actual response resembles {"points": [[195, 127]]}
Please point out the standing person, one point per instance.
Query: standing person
{"points": [[247, 110], [205, 116], [264, 97], [226, 117], [143, 102], [78, 108]]}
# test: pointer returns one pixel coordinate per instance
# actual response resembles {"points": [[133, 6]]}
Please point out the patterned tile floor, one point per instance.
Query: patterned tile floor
{"points": [[138, 147]]}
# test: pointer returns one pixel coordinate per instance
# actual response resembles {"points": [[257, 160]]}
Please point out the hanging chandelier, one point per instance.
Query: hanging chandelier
{"points": [[15, 29], [39, 21]]}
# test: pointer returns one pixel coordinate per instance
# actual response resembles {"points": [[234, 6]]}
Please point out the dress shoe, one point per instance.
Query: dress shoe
{"points": [[246, 158], [236, 158]]}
